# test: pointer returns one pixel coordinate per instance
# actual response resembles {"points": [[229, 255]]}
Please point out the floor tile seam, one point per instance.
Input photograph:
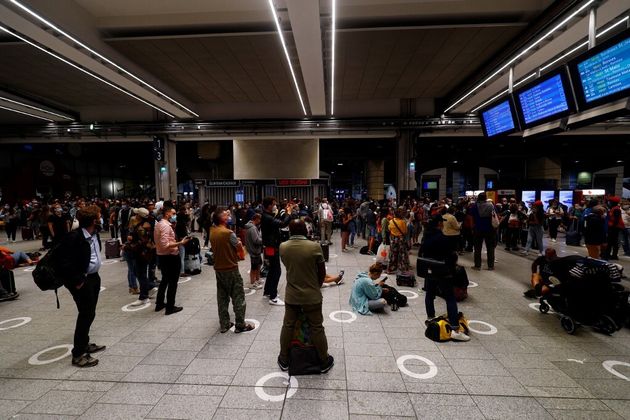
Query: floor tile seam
{"points": [[63, 414], [581, 399]]}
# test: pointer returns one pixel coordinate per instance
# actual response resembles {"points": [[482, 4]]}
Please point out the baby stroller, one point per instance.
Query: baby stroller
{"points": [[589, 293]]}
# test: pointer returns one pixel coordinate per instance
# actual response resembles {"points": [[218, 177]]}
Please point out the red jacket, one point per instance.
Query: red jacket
{"points": [[615, 219]]}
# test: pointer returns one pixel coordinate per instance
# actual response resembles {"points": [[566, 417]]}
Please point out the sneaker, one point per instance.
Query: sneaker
{"points": [[256, 286], [84, 361], [553, 240], [282, 365], [531, 294], [173, 310], [341, 273], [459, 336], [139, 302], [276, 302], [94, 348], [330, 362], [8, 296]]}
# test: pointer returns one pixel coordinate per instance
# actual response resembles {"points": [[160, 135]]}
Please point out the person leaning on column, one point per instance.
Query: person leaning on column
{"points": [[78, 263]]}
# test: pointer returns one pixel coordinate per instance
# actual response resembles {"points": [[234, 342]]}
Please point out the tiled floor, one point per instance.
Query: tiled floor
{"points": [[181, 367]]}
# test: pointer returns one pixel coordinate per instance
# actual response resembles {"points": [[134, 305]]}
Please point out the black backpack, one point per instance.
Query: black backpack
{"points": [[193, 247], [45, 275]]}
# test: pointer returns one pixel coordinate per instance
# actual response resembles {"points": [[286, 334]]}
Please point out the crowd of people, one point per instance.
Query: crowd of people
{"points": [[155, 234]]}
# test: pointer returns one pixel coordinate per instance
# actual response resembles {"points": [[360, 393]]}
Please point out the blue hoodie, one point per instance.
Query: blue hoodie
{"points": [[363, 290]]}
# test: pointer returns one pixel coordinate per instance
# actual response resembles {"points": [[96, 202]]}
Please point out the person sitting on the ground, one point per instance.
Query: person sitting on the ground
{"points": [[330, 279], [542, 271], [10, 259], [366, 296]]}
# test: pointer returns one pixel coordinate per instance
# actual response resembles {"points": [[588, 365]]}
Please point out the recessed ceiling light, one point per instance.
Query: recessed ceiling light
{"points": [[620, 161], [340, 164], [332, 61]]}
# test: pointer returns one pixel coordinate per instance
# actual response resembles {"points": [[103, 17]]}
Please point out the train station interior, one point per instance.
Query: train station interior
{"points": [[490, 125]]}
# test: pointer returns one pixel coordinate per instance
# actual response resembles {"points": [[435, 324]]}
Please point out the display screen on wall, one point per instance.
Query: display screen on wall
{"points": [[499, 119], [602, 74], [547, 99], [566, 198], [546, 196], [528, 197], [430, 185]]}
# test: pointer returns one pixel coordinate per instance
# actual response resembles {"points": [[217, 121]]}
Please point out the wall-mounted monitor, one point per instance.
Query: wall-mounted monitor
{"points": [[566, 198], [430, 185], [546, 197], [528, 197], [546, 99], [602, 74], [499, 118]]}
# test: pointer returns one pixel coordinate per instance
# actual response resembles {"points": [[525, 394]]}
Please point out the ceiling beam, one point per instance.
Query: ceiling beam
{"points": [[304, 17]]}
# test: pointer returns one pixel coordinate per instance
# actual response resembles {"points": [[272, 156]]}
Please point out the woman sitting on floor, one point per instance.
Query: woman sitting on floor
{"points": [[366, 296]]}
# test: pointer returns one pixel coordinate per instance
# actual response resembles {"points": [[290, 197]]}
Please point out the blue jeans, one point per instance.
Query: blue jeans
{"points": [[20, 257], [535, 231], [131, 270], [353, 232]]}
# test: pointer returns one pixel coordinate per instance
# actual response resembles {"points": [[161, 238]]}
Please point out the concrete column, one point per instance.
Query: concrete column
{"points": [[545, 169], [166, 173], [376, 179], [405, 177]]}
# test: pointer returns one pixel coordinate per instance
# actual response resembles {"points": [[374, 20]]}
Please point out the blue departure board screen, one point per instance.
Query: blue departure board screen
{"points": [[498, 119], [606, 73], [543, 100]]}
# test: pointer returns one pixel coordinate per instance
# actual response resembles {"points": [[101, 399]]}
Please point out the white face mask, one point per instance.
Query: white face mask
{"points": [[274, 209]]}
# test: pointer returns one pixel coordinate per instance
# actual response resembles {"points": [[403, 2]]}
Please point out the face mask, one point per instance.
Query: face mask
{"points": [[229, 220], [274, 209], [173, 219]]}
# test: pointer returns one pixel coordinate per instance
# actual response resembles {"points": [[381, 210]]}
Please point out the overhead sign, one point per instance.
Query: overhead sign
{"points": [[593, 192], [507, 192], [222, 183], [200, 182], [293, 182], [158, 149]]}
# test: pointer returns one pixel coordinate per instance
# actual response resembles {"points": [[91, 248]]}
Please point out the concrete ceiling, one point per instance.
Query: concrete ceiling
{"points": [[223, 59]]}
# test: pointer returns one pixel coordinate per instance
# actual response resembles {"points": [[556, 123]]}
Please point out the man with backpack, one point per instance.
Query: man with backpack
{"points": [[326, 218], [78, 259]]}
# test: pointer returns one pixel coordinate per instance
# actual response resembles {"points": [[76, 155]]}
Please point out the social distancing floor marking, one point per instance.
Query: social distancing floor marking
{"points": [[252, 321], [184, 280], [333, 316], [292, 382], [34, 359], [129, 308], [609, 365], [492, 329], [433, 370], [23, 321], [410, 295]]}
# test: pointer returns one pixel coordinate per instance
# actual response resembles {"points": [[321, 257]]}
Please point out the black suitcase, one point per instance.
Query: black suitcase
{"points": [[325, 251], [406, 279], [112, 248], [27, 234], [574, 238], [7, 280]]}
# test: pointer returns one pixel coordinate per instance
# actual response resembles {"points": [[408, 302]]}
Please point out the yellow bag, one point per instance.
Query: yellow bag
{"points": [[439, 329]]}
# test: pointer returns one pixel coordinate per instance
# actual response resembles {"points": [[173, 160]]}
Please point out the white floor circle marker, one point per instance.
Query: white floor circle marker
{"points": [[472, 284], [34, 359], [493, 330], [109, 262], [129, 308], [333, 316], [610, 364], [536, 306], [260, 391], [433, 370], [23, 321], [333, 256], [103, 288], [253, 321], [249, 292], [409, 294], [184, 280], [29, 269]]}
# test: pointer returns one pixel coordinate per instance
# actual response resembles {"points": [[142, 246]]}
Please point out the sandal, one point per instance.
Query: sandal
{"points": [[224, 330], [246, 328]]}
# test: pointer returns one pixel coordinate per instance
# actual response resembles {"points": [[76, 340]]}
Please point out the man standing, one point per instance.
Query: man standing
{"points": [[482, 212], [229, 281], [167, 250], [253, 243], [270, 227], [79, 262], [306, 271], [326, 217]]}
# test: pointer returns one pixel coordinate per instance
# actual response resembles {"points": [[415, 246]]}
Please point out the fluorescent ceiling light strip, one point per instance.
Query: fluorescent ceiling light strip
{"points": [[76, 41], [25, 113], [503, 92], [610, 28], [563, 56], [332, 70], [28, 41], [286, 53], [522, 53], [2, 98], [523, 80]]}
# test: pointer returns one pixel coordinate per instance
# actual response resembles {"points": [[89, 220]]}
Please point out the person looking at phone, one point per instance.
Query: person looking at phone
{"points": [[272, 222], [367, 296]]}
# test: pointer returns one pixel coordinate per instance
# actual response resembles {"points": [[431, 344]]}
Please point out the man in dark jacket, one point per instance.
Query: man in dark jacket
{"points": [[483, 231], [270, 227], [78, 263]]}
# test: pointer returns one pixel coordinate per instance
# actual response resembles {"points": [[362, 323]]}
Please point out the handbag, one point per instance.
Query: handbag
{"points": [[495, 219]]}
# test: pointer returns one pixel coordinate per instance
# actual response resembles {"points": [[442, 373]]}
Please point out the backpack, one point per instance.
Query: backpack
{"points": [[303, 356], [45, 275], [193, 247], [328, 214], [439, 329]]}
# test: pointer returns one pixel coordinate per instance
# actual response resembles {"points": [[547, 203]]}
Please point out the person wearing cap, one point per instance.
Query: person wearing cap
{"points": [[615, 227], [142, 250], [535, 219]]}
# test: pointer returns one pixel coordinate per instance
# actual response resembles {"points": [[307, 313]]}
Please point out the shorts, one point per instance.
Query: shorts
{"points": [[256, 261]]}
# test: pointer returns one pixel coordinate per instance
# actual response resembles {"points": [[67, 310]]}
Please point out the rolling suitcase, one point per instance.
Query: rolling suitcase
{"points": [[325, 251], [192, 264], [112, 249], [573, 238], [27, 234]]}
